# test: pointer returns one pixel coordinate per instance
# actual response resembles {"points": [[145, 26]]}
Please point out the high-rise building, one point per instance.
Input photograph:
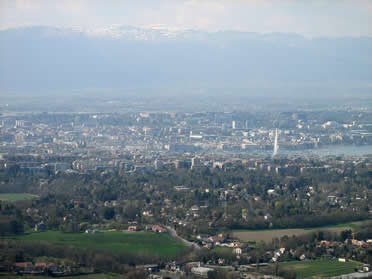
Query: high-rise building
{"points": [[195, 162]]}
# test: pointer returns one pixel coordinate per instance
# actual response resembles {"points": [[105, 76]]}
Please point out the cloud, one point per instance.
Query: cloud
{"points": [[23, 4]]}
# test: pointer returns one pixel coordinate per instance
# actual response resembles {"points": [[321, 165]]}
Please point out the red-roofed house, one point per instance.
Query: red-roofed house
{"points": [[158, 229]]}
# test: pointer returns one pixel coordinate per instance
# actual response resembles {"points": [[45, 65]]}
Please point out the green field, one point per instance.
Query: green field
{"points": [[223, 249], [351, 225], [133, 242], [268, 235], [320, 268], [91, 276], [17, 197]]}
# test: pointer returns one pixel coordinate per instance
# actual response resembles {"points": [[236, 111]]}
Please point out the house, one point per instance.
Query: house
{"points": [[40, 227], [203, 272], [194, 208], [190, 265], [303, 257], [56, 270], [208, 246], [158, 229], [150, 267], [147, 213], [202, 237], [359, 243], [107, 203], [154, 276], [22, 265], [235, 244], [365, 268], [282, 250], [332, 199], [217, 239], [25, 268], [132, 228], [271, 191], [174, 266], [324, 243], [237, 251], [92, 231], [267, 216]]}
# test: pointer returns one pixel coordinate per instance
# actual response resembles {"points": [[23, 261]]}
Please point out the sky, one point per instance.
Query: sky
{"points": [[313, 18]]}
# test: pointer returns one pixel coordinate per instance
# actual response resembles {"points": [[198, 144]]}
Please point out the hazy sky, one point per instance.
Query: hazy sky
{"points": [[307, 17]]}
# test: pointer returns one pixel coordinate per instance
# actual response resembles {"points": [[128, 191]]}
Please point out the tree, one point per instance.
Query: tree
{"points": [[109, 213]]}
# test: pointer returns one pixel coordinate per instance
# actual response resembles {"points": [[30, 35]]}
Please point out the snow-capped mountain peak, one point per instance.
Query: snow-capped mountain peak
{"points": [[148, 33]]}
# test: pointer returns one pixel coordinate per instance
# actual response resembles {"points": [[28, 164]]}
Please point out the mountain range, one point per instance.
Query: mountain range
{"points": [[48, 58]]}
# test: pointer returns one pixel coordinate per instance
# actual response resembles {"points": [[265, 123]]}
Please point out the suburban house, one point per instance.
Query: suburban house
{"points": [[40, 227], [158, 229], [132, 228]]}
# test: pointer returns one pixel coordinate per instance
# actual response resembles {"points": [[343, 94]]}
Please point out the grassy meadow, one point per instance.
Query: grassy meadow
{"points": [[90, 276], [320, 268], [12, 197], [132, 242], [268, 235]]}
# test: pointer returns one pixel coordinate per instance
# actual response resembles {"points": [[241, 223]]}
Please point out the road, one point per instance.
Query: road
{"points": [[174, 234]]}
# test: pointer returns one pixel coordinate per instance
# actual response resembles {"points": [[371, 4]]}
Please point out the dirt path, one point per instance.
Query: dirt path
{"points": [[174, 234]]}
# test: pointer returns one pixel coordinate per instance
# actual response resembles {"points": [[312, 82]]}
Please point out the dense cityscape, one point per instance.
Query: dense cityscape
{"points": [[146, 141]]}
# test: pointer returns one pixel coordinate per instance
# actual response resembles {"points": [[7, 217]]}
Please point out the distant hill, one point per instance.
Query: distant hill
{"points": [[45, 58]]}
